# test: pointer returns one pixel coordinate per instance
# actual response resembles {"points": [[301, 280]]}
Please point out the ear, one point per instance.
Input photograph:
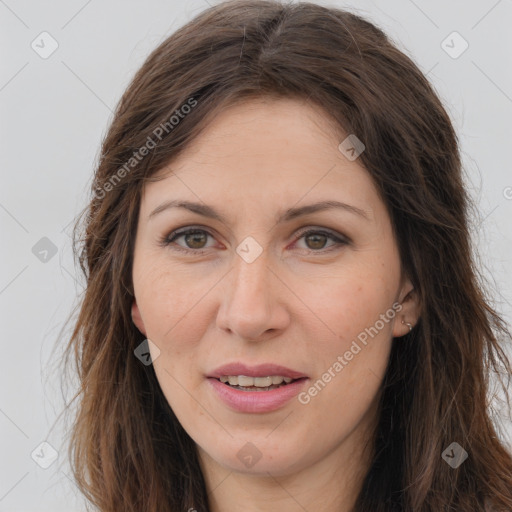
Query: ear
{"points": [[410, 312], [137, 318]]}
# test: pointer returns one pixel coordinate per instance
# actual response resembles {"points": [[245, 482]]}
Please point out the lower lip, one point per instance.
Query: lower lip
{"points": [[256, 401]]}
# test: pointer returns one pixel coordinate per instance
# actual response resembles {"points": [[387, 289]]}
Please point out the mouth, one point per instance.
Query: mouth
{"points": [[257, 384], [256, 389]]}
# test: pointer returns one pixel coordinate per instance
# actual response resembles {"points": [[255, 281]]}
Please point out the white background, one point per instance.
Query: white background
{"points": [[54, 113]]}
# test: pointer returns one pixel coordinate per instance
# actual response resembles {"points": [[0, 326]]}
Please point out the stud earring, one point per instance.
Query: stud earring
{"points": [[408, 325]]}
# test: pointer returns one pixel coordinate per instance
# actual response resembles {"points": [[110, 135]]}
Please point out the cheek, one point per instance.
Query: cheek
{"points": [[350, 302], [357, 314], [172, 302]]}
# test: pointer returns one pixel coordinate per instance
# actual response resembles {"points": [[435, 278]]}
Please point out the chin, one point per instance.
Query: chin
{"points": [[259, 456]]}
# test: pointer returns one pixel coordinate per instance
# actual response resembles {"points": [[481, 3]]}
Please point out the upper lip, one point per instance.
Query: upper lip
{"points": [[260, 370]]}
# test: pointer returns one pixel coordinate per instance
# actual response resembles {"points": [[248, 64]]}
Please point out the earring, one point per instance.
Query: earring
{"points": [[408, 325]]}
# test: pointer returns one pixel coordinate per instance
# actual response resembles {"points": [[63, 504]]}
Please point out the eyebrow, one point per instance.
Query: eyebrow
{"points": [[286, 216]]}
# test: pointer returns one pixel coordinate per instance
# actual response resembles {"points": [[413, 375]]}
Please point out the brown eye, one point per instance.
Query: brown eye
{"points": [[196, 239], [316, 241]]}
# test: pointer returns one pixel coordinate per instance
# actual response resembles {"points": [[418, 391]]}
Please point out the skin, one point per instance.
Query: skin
{"points": [[301, 303]]}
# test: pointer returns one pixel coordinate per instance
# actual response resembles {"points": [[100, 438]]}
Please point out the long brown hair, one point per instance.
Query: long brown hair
{"points": [[128, 451]]}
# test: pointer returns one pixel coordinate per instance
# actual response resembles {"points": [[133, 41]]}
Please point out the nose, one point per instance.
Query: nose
{"points": [[253, 299]]}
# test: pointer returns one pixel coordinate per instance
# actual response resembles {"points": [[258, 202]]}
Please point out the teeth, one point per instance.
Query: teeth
{"points": [[260, 382]]}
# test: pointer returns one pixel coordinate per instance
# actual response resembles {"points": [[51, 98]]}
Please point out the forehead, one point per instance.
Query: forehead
{"points": [[265, 127], [265, 151]]}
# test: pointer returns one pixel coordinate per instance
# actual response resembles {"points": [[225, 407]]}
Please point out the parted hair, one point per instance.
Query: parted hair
{"points": [[128, 451]]}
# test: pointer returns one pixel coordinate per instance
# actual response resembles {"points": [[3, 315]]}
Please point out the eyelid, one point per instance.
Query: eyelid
{"points": [[318, 229], [169, 238]]}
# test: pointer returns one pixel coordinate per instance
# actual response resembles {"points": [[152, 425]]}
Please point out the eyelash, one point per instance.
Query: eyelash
{"points": [[167, 240]]}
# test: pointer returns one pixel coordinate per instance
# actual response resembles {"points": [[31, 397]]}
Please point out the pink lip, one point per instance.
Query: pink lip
{"points": [[261, 370], [256, 401]]}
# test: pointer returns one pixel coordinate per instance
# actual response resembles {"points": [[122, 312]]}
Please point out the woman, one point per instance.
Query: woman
{"points": [[281, 310]]}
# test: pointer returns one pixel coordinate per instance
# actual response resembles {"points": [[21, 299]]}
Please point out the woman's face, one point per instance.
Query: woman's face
{"points": [[269, 287]]}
